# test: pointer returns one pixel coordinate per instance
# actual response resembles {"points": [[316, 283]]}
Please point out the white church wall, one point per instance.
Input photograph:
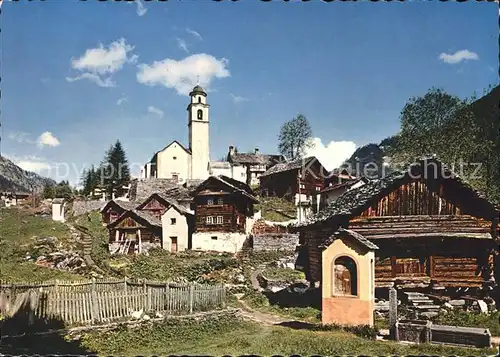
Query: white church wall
{"points": [[174, 160]]}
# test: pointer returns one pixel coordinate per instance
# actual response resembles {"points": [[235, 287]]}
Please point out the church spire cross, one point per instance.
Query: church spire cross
{"points": [[198, 80]]}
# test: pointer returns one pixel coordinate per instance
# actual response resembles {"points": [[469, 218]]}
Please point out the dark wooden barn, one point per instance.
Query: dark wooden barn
{"points": [[114, 209], [432, 229], [222, 204]]}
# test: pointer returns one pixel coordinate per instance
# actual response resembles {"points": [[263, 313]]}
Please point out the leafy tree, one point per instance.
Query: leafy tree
{"points": [[48, 191], [63, 190], [294, 137]]}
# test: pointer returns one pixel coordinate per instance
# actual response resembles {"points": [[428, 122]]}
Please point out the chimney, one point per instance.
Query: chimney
{"points": [[256, 151], [231, 150]]}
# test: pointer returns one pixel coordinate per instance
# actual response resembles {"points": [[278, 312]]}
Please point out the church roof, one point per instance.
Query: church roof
{"points": [[197, 90], [166, 147]]}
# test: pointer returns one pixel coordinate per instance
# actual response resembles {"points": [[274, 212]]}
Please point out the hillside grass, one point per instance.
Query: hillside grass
{"points": [[283, 274], [17, 230], [229, 335], [271, 207]]}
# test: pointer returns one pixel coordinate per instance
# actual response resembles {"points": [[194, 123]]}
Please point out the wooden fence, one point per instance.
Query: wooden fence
{"points": [[98, 301]]}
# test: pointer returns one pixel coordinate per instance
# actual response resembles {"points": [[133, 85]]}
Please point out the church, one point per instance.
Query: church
{"points": [[182, 164], [177, 162]]}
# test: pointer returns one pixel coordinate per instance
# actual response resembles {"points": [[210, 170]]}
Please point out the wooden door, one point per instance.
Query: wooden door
{"points": [[173, 244]]}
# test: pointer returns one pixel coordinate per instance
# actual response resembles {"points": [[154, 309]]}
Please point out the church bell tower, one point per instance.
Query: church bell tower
{"points": [[198, 123]]}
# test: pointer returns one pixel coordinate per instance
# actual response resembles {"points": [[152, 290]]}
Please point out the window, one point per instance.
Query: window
{"points": [[199, 99], [220, 219], [237, 219], [220, 201], [318, 188], [200, 114], [175, 157], [302, 185], [173, 221], [210, 202], [214, 237], [210, 220], [345, 276]]}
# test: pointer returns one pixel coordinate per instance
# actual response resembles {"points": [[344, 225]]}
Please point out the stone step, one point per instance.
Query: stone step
{"points": [[427, 307], [412, 293], [419, 298]]}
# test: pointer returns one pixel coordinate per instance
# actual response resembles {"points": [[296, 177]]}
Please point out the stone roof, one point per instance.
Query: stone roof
{"points": [[220, 165], [124, 205], [355, 201], [345, 184], [171, 202], [142, 189], [145, 216], [253, 158], [288, 166], [235, 185], [342, 232]]}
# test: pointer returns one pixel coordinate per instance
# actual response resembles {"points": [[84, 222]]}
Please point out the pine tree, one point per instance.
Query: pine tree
{"points": [[115, 172], [48, 191]]}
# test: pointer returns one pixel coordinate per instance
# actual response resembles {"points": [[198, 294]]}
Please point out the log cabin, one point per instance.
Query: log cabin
{"points": [[135, 232], [298, 181], [433, 230], [114, 209], [224, 210]]}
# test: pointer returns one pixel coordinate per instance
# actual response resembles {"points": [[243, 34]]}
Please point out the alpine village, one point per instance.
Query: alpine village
{"points": [[395, 250]]}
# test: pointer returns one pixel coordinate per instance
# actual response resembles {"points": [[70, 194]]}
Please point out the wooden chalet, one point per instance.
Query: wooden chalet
{"points": [[135, 232], [222, 204], [432, 228], [114, 209]]}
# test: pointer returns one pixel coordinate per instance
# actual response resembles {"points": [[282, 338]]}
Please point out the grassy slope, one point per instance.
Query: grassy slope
{"points": [[229, 336], [269, 205], [17, 228]]}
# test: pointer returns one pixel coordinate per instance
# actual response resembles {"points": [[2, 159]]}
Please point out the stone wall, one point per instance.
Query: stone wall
{"points": [[84, 207], [275, 241], [261, 227]]}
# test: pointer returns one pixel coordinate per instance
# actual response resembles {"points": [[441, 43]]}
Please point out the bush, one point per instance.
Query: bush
{"points": [[471, 319]]}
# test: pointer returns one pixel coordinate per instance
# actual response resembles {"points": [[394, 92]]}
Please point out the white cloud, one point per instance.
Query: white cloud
{"points": [[333, 154], [20, 137], [183, 75], [101, 82], [121, 100], [156, 111], [31, 163], [182, 45], [459, 56], [48, 139], [100, 61], [237, 99], [141, 10], [194, 33]]}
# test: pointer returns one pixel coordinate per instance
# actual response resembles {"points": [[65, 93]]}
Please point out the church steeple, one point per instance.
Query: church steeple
{"points": [[198, 123]]}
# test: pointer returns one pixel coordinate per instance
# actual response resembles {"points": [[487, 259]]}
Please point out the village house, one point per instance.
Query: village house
{"points": [[334, 191], [223, 214], [299, 181], [177, 162], [114, 209], [245, 167], [433, 231], [14, 198], [135, 232]]}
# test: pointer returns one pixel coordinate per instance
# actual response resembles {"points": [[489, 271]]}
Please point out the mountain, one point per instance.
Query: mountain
{"points": [[371, 160], [13, 178]]}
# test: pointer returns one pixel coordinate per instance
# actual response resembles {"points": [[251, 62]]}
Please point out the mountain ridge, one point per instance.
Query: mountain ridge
{"points": [[14, 178]]}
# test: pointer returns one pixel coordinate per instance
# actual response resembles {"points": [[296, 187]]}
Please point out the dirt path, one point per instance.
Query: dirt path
{"points": [[258, 316]]}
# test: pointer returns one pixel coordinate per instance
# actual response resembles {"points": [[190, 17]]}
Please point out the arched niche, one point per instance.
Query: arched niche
{"points": [[345, 276]]}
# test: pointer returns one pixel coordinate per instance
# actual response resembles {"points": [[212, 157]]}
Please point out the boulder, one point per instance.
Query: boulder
{"points": [[483, 307], [455, 303], [428, 314]]}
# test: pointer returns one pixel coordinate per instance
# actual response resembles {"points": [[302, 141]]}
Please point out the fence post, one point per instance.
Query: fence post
{"points": [[223, 296], [94, 310], [125, 295], [191, 298], [56, 285], [145, 296]]}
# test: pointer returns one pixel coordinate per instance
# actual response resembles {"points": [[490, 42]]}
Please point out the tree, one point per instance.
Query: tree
{"points": [[442, 124], [294, 137], [48, 191], [114, 172], [63, 190]]}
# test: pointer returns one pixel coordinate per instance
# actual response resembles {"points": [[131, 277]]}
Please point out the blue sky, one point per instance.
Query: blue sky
{"points": [[349, 67]]}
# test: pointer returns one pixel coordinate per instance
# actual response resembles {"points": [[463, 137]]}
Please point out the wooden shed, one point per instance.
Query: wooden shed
{"points": [[432, 229]]}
